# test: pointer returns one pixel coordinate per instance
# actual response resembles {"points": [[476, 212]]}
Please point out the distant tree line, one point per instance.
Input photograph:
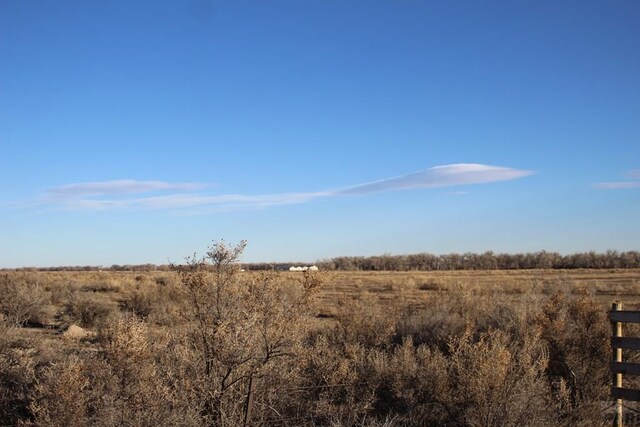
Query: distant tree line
{"points": [[263, 266], [484, 261], [114, 267], [422, 262]]}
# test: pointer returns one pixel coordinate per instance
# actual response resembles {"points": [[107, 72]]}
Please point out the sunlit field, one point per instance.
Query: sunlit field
{"points": [[122, 290], [343, 348], [415, 287]]}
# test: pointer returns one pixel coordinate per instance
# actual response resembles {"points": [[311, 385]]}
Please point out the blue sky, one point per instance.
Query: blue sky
{"points": [[134, 132]]}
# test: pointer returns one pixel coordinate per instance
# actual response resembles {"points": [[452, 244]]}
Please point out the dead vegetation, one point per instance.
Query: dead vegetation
{"points": [[209, 345]]}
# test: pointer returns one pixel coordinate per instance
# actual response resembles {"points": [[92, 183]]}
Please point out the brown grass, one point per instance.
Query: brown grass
{"points": [[370, 348]]}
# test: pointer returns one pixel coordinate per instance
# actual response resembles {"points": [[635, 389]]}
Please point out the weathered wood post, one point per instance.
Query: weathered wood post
{"points": [[248, 407], [617, 357]]}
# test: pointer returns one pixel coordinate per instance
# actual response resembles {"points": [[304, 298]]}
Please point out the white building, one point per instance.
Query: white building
{"points": [[303, 268]]}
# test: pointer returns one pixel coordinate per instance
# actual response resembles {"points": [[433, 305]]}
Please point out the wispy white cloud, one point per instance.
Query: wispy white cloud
{"points": [[137, 195], [618, 185], [634, 174], [439, 176], [173, 201], [117, 187]]}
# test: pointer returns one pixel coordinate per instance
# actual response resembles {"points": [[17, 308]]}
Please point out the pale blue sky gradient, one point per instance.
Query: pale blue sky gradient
{"points": [[134, 132]]}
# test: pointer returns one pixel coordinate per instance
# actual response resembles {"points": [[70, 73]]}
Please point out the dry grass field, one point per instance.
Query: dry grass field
{"points": [[404, 290], [413, 289], [523, 347]]}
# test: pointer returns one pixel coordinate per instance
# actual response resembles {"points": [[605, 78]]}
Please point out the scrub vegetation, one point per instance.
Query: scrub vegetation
{"points": [[207, 344]]}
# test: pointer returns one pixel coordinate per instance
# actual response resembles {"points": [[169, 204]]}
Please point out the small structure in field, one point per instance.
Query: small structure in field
{"points": [[303, 268]]}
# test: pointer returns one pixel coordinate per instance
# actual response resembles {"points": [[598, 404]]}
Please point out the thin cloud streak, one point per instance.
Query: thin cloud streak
{"points": [[117, 187], [114, 195], [174, 201], [634, 174], [618, 185]]}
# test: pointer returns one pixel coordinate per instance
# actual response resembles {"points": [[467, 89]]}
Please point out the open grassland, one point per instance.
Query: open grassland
{"points": [[414, 289], [113, 290], [517, 347]]}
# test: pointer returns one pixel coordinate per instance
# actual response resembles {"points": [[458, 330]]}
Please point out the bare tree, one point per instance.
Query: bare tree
{"points": [[243, 324]]}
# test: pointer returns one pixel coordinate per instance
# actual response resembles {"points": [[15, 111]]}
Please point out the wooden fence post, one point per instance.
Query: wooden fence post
{"points": [[617, 332], [249, 402]]}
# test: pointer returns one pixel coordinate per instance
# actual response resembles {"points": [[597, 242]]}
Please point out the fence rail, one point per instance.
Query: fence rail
{"points": [[624, 316], [625, 368], [625, 393], [626, 343]]}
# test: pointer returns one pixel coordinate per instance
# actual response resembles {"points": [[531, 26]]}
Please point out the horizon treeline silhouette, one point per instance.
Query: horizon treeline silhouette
{"points": [[489, 260]]}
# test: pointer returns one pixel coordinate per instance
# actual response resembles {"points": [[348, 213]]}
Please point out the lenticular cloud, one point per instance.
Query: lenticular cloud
{"points": [[439, 176], [131, 195]]}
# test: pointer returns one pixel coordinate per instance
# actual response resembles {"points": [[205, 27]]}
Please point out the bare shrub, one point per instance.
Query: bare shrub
{"points": [[244, 327], [119, 385], [491, 381], [179, 368], [332, 385], [364, 421], [24, 301], [444, 317], [158, 304], [89, 309], [450, 314], [431, 327], [17, 374], [104, 285], [429, 285], [61, 395], [577, 333], [394, 376], [366, 321], [165, 280], [141, 302], [126, 376]]}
